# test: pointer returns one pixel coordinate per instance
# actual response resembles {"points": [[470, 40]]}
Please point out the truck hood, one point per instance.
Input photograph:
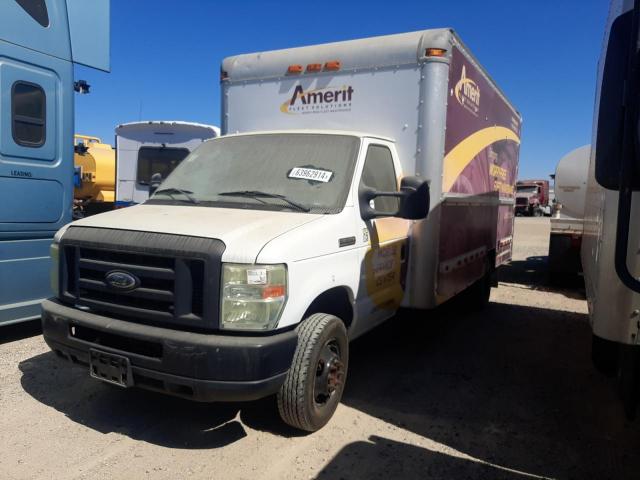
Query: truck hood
{"points": [[244, 232]]}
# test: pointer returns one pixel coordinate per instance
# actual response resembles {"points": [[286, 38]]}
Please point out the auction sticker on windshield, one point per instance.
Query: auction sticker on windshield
{"points": [[311, 174]]}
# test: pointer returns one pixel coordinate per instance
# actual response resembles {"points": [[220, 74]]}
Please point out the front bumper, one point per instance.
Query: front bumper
{"points": [[201, 367]]}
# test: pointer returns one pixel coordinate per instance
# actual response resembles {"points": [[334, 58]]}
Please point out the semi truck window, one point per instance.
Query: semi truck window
{"points": [[28, 114], [162, 160], [37, 9], [380, 174]]}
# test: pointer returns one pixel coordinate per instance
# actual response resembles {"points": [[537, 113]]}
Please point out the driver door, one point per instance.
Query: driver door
{"points": [[383, 241]]}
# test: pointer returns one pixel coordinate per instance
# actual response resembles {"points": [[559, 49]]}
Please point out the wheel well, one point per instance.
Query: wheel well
{"points": [[336, 301]]}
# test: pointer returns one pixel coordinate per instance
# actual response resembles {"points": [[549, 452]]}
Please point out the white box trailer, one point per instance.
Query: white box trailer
{"points": [[268, 249], [145, 148], [610, 253]]}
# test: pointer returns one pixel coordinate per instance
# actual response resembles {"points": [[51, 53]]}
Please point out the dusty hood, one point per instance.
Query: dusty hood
{"points": [[244, 232]]}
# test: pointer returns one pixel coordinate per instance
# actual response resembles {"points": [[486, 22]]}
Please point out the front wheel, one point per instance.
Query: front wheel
{"points": [[313, 387]]}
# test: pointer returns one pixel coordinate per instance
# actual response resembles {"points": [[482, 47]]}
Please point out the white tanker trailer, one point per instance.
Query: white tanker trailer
{"points": [[567, 224]]}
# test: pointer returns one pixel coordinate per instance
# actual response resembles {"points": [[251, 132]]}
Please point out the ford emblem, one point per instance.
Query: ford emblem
{"points": [[121, 280]]}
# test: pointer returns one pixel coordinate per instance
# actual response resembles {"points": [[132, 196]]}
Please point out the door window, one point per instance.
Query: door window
{"points": [[379, 174], [28, 114], [37, 9]]}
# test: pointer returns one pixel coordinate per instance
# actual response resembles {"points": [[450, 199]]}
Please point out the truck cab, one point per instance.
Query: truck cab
{"points": [[532, 198], [250, 234]]}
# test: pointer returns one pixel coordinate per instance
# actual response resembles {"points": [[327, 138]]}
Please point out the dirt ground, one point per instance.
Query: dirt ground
{"points": [[508, 393]]}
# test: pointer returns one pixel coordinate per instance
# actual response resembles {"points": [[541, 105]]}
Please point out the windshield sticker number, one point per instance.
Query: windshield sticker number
{"points": [[312, 174]]}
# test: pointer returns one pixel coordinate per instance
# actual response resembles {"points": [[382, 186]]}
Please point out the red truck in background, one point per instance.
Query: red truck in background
{"points": [[532, 198]]}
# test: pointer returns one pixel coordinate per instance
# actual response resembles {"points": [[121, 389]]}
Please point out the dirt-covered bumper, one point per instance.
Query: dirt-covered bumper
{"points": [[199, 366]]}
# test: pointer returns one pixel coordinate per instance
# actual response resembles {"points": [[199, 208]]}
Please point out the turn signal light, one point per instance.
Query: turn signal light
{"points": [[274, 291], [333, 65], [435, 52], [314, 67], [294, 69]]}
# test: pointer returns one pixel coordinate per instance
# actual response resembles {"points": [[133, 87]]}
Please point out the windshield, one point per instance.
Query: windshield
{"points": [[527, 189], [299, 172]]}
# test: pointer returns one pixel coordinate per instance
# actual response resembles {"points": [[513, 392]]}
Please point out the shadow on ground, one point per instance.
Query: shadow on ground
{"points": [[533, 273], [142, 415], [20, 331], [507, 393]]}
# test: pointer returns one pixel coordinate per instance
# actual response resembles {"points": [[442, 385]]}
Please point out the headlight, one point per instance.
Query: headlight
{"points": [[253, 296], [54, 270]]}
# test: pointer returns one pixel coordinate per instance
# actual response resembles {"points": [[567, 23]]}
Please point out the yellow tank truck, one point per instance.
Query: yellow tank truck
{"points": [[94, 177]]}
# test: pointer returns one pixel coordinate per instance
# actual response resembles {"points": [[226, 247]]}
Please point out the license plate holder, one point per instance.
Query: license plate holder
{"points": [[110, 368]]}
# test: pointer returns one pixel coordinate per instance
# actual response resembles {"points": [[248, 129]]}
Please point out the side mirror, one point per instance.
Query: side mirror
{"points": [[155, 182], [413, 195], [414, 205]]}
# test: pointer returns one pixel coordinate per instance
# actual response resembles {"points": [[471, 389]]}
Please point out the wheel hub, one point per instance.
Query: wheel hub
{"points": [[329, 373]]}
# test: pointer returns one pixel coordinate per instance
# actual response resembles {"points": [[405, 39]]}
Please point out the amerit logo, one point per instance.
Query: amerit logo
{"points": [[320, 100], [467, 93]]}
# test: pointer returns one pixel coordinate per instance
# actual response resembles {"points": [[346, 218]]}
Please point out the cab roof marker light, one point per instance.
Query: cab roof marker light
{"points": [[333, 65], [294, 69], [314, 67], [435, 52]]}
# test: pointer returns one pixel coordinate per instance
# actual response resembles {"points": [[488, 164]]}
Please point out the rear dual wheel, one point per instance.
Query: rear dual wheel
{"points": [[479, 292], [313, 387]]}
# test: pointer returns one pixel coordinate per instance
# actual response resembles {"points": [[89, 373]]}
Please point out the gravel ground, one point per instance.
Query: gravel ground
{"points": [[505, 394]]}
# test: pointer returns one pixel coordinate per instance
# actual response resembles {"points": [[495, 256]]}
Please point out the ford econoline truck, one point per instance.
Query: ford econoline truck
{"points": [[352, 179]]}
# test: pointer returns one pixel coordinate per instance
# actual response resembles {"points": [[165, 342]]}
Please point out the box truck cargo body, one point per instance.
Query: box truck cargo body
{"points": [[353, 178], [449, 122], [146, 148]]}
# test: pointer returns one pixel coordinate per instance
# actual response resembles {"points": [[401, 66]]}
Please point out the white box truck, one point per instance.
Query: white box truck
{"points": [[267, 249], [152, 147], [610, 246]]}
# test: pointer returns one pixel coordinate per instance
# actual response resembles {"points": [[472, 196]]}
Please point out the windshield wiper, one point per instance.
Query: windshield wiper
{"points": [[257, 194], [172, 190]]}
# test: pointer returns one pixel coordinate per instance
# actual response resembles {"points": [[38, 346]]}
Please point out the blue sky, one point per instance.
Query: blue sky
{"points": [[166, 54]]}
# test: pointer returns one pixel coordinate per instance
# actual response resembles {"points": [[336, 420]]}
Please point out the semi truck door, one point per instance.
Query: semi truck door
{"points": [[31, 189], [383, 240]]}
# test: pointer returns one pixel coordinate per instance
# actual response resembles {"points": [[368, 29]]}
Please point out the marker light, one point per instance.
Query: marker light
{"points": [[314, 67], [435, 52], [333, 65], [294, 69]]}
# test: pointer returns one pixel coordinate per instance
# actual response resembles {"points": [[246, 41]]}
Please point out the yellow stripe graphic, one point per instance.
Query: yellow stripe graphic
{"points": [[462, 154]]}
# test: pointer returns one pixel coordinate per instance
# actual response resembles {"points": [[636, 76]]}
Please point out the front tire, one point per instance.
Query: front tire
{"points": [[314, 384]]}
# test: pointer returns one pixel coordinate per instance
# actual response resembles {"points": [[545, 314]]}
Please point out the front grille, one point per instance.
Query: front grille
{"points": [[173, 282], [521, 201]]}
